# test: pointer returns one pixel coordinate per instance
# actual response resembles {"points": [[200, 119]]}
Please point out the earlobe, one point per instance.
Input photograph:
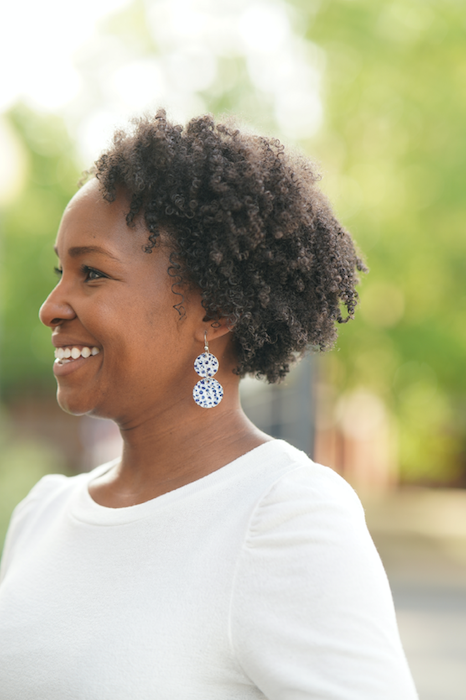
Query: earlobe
{"points": [[216, 326], [215, 330], [228, 325]]}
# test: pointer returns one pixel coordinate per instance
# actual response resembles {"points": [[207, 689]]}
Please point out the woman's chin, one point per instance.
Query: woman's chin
{"points": [[76, 405], [82, 405]]}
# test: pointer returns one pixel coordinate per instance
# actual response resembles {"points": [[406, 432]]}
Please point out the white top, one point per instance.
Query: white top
{"points": [[259, 580]]}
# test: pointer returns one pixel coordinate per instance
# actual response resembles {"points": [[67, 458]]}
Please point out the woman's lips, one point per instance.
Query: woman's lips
{"points": [[68, 362]]}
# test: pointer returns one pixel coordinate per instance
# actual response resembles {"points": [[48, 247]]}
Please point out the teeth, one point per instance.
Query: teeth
{"points": [[63, 354]]}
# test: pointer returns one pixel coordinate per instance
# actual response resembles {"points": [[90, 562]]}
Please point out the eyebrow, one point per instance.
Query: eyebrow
{"points": [[78, 251]]}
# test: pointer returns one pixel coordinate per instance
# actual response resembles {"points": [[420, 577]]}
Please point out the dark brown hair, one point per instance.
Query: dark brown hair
{"points": [[247, 225]]}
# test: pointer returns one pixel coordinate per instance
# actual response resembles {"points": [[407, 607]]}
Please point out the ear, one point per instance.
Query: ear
{"points": [[214, 327]]}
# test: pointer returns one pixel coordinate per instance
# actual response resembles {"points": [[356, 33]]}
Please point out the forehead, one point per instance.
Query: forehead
{"points": [[90, 220]]}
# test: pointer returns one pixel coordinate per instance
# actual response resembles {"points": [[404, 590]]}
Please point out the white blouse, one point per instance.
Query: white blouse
{"points": [[259, 580]]}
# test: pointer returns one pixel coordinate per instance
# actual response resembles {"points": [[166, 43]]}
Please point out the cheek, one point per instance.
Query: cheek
{"points": [[165, 328], [142, 334], [116, 323], [143, 344]]}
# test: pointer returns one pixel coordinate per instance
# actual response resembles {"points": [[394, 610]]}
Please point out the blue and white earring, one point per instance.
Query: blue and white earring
{"points": [[208, 392]]}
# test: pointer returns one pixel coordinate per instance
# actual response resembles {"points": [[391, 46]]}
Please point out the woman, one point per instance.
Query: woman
{"points": [[209, 561]]}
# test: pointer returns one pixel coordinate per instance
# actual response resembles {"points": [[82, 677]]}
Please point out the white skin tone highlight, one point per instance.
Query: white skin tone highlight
{"points": [[119, 299]]}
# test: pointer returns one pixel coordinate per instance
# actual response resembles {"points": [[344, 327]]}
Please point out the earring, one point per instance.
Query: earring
{"points": [[208, 392]]}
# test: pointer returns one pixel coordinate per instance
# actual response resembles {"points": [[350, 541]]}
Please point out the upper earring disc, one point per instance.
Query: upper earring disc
{"points": [[206, 365]]}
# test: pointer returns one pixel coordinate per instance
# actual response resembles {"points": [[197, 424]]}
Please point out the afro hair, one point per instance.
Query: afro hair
{"points": [[247, 225]]}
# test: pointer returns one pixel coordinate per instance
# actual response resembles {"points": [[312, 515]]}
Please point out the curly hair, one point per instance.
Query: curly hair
{"points": [[247, 225]]}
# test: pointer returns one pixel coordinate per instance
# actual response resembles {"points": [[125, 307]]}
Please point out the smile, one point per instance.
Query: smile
{"points": [[69, 354]]}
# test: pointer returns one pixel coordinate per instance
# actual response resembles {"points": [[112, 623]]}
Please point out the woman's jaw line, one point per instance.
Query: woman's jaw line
{"points": [[157, 410]]}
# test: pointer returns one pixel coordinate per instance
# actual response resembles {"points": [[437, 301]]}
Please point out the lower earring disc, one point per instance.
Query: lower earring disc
{"points": [[208, 393]]}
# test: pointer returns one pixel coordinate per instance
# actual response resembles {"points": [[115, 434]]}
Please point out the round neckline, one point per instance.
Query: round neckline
{"points": [[88, 510]]}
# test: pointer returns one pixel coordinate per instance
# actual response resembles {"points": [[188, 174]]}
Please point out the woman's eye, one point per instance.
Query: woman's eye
{"points": [[58, 271], [92, 274]]}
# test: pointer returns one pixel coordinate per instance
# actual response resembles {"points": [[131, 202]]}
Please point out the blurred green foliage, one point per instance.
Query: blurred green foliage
{"points": [[393, 148], [28, 227]]}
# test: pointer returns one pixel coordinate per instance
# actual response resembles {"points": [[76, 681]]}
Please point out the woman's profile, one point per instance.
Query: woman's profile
{"points": [[209, 561]]}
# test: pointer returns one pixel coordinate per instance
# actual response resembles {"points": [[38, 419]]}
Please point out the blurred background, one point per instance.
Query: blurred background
{"points": [[375, 93]]}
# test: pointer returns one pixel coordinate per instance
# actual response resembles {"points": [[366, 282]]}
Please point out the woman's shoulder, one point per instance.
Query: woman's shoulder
{"points": [[45, 488], [296, 474], [49, 488], [46, 485], [302, 490], [39, 506]]}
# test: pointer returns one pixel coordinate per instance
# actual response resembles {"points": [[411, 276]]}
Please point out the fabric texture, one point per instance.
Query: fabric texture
{"points": [[259, 580]]}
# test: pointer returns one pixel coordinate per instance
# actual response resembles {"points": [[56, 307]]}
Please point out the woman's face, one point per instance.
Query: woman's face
{"points": [[114, 297]]}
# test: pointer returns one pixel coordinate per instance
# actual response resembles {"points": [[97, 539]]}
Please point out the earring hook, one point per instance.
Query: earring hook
{"points": [[206, 347]]}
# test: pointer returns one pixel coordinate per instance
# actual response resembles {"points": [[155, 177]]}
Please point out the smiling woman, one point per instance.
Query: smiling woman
{"points": [[209, 560]]}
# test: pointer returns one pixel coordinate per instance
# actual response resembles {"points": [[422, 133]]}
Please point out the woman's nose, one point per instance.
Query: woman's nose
{"points": [[55, 309]]}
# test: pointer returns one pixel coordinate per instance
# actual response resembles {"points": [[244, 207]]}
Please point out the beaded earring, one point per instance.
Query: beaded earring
{"points": [[208, 392]]}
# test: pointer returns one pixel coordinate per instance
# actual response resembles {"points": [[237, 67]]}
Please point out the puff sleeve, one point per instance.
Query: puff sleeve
{"points": [[312, 616]]}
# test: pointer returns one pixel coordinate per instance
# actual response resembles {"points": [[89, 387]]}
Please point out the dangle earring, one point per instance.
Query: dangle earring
{"points": [[208, 392]]}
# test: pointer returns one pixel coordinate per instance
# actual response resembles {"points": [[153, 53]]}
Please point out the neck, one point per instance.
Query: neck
{"points": [[174, 447]]}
